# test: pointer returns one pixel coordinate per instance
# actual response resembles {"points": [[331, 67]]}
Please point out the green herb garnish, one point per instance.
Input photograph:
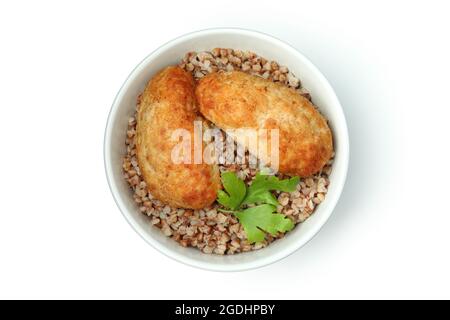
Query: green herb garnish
{"points": [[262, 218], [259, 191], [235, 191]]}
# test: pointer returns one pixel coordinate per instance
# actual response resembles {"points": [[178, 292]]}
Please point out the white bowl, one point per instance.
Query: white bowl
{"points": [[171, 53]]}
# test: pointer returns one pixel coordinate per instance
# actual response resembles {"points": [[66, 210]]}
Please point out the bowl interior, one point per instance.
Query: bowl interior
{"points": [[171, 53]]}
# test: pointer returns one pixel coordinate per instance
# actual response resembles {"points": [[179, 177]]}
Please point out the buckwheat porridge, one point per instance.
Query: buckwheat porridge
{"points": [[209, 229]]}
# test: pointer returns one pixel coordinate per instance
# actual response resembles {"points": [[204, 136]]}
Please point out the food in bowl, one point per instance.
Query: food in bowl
{"points": [[168, 104], [218, 228], [235, 99]]}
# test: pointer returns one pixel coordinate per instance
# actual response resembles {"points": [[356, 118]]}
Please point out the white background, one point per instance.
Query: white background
{"points": [[61, 234]]}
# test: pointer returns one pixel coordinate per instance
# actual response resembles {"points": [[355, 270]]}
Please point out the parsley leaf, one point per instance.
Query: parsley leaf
{"points": [[259, 191], [262, 218], [235, 191]]}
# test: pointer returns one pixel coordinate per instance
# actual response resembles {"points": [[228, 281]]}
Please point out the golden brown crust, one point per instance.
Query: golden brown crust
{"points": [[235, 99], [167, 104]]}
